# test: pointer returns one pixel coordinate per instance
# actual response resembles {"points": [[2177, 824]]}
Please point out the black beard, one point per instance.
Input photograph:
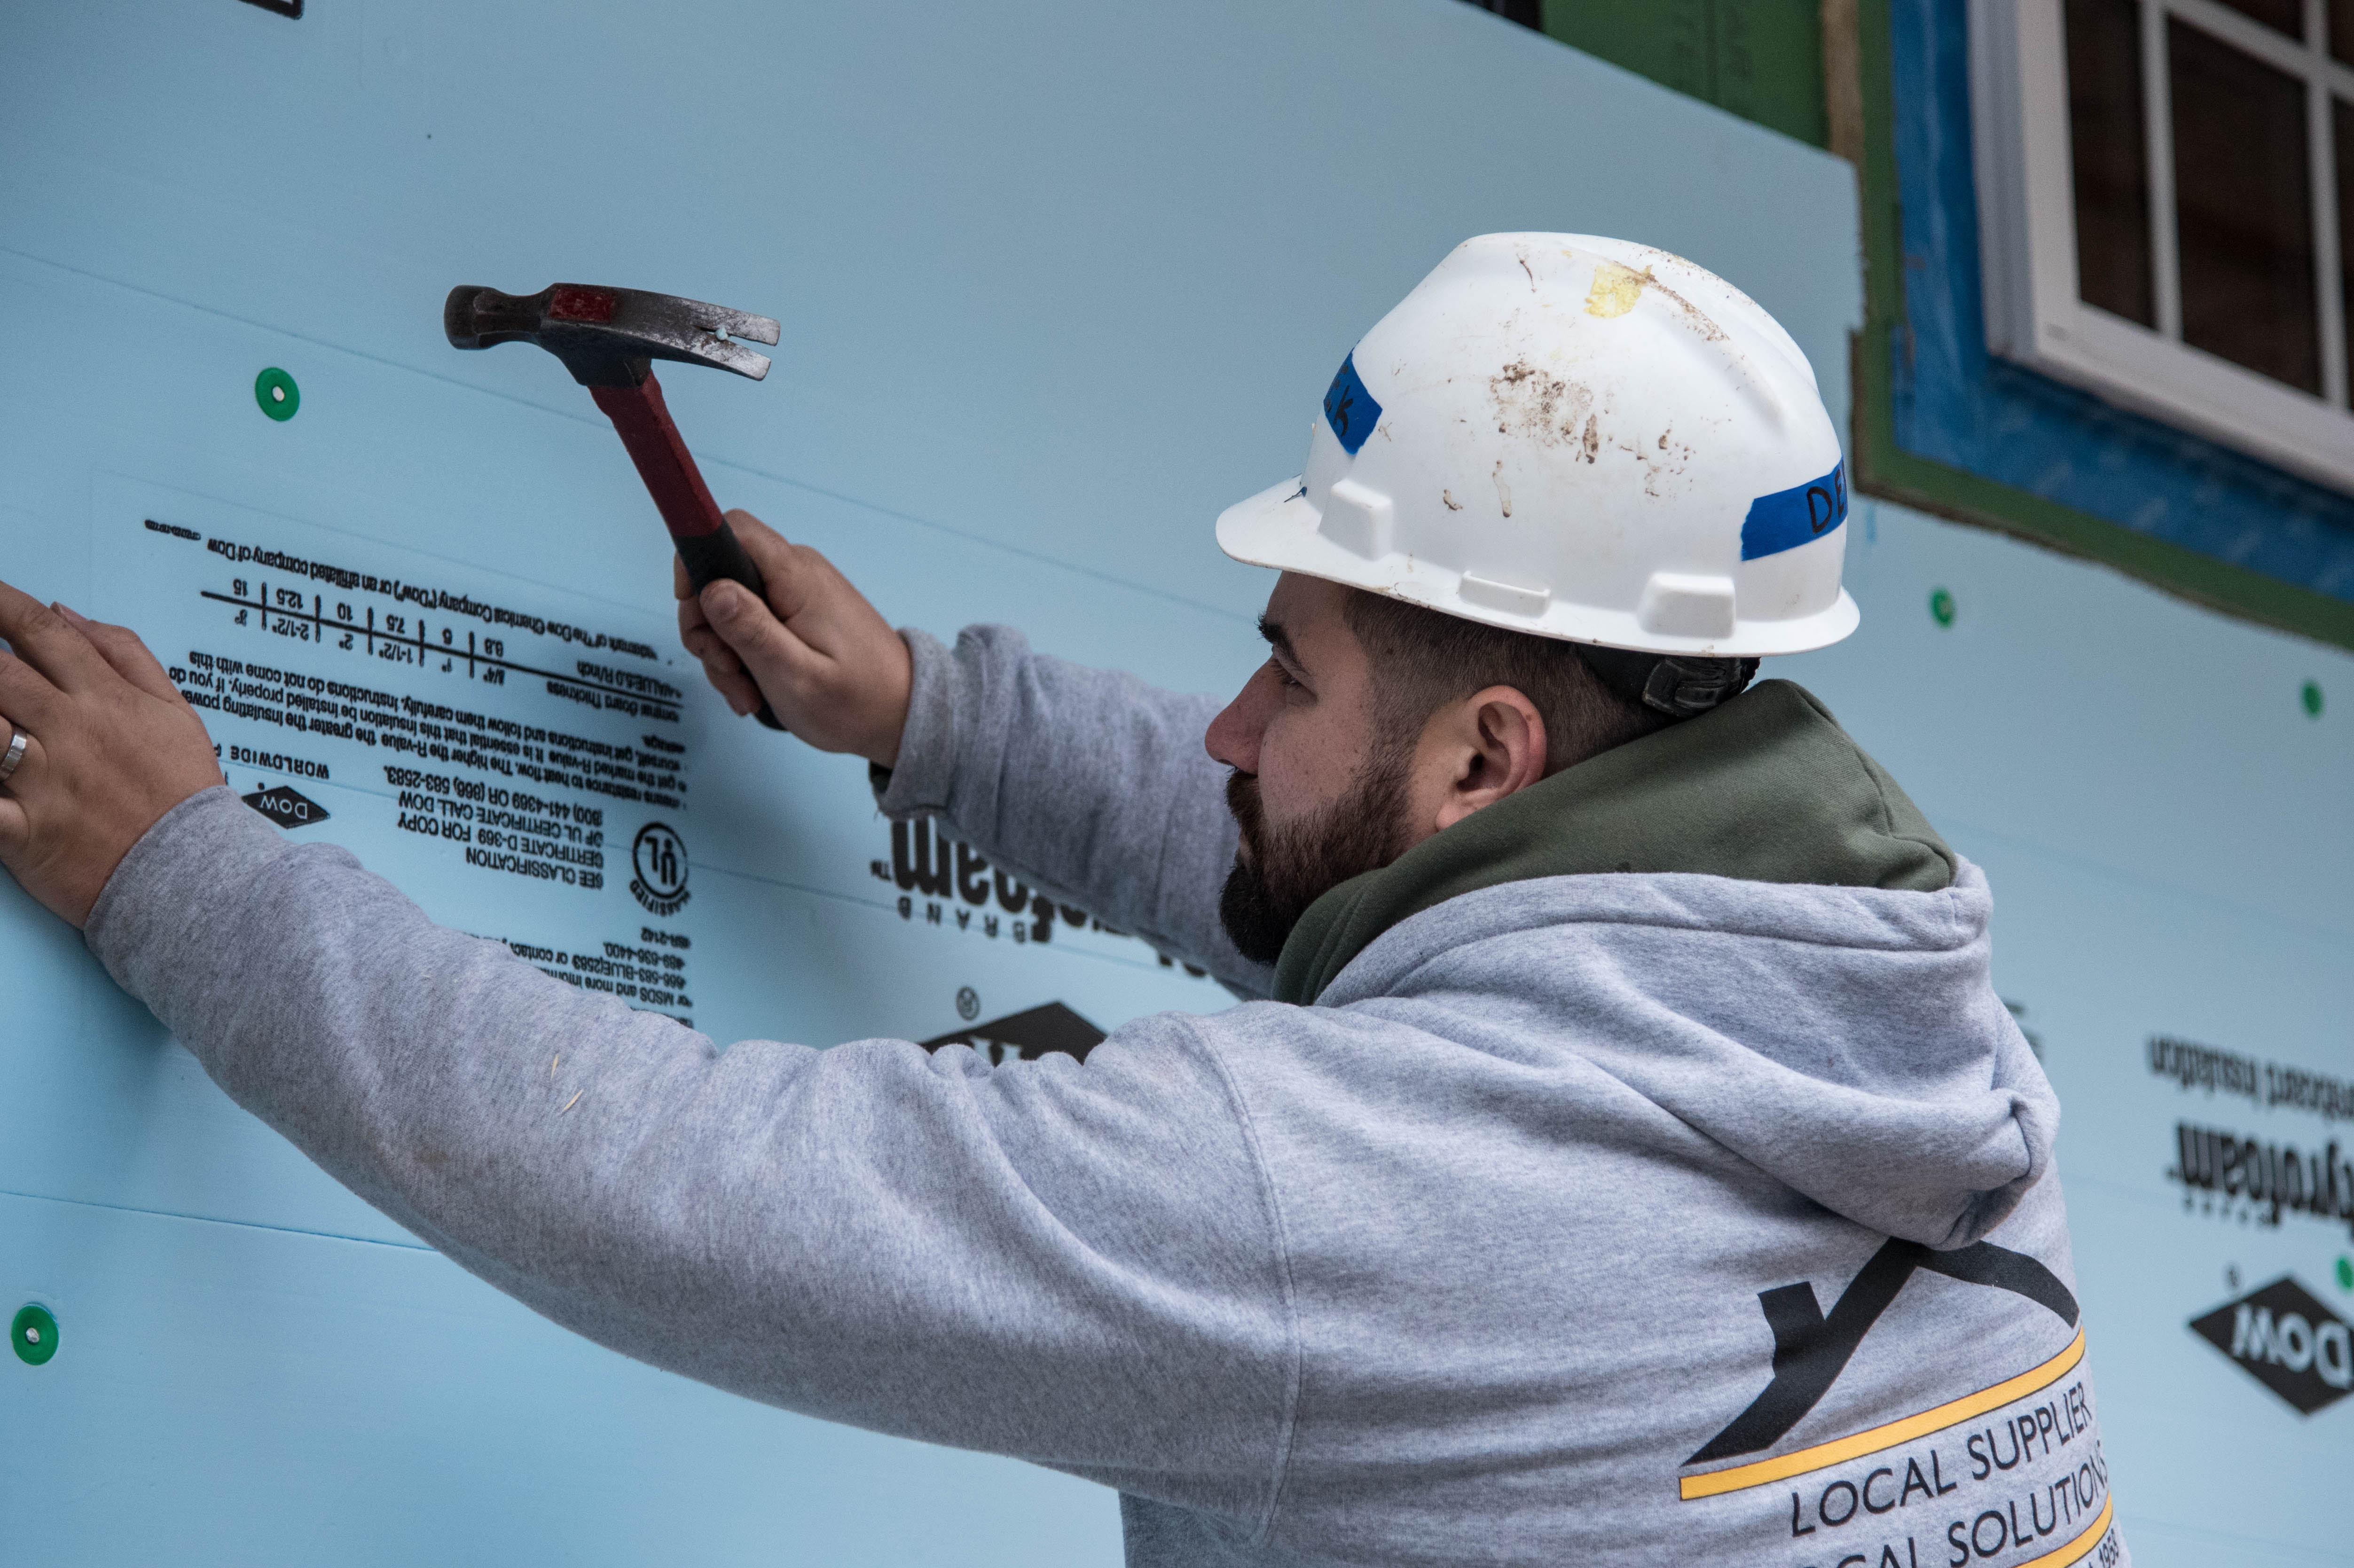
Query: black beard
{"points": [[1278, 874]]}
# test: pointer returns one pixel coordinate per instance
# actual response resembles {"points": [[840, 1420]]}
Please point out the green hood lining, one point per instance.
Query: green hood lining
{"points": [[1768, 788]]}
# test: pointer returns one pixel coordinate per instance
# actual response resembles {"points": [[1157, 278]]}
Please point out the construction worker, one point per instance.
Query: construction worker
{"points": [[1633, 1165]]}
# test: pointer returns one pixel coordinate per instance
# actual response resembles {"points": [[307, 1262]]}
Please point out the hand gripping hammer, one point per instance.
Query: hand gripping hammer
{"points": [[607, 339]]}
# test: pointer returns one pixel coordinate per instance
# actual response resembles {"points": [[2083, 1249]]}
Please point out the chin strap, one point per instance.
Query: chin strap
{"points": [[1684, 687], [1680, 687]]}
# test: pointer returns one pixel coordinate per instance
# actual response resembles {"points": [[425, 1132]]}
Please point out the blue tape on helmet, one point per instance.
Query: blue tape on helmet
{"points": [[1789, 518], [1349, 409]]}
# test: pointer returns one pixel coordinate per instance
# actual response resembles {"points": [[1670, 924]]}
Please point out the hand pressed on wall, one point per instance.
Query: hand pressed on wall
{"points": [[112, 747]]}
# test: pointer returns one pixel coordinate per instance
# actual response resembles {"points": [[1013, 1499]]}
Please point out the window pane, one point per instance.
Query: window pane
{"points": [[2341, 30], [2344, 116], [2106, 145], [2243, 209], [2288, 16]]}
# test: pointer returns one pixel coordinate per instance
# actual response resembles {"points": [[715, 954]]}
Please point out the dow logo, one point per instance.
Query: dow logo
{"points": [[287, 806], [2287, 1340], [658, 867]]}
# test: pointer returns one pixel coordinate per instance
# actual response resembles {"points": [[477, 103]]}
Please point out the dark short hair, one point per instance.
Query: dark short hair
{"points": [[1423, 659]]}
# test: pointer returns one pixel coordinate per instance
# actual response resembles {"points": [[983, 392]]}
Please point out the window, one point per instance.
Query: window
{"points": [[2165, 201]]}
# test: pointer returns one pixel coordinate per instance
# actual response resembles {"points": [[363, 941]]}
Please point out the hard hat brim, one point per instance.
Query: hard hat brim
{"points": [[1280, 529]]}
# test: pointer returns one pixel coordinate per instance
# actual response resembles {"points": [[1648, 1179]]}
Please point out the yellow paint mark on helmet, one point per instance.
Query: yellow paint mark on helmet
{"points": [[1616, 289]]}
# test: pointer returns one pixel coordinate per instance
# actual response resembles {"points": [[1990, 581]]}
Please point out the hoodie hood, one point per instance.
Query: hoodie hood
{"points": [[1766, 788], [1845, 1041]]}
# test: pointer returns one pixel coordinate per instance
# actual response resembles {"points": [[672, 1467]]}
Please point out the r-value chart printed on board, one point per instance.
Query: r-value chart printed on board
{"points": [[514, 757]]}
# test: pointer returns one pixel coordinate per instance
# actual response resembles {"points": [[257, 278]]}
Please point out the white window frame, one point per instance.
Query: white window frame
{"points": [[2027, 227]]}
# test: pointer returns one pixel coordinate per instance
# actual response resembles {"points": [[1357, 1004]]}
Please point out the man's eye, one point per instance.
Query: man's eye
{"points": [[1282, 676]]}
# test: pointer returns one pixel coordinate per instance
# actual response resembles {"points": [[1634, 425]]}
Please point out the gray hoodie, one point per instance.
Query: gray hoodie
{"points": [[1608, 1218]]}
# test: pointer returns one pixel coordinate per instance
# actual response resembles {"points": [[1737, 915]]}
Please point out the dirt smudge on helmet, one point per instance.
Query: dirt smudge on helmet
{"points": [[1545, 407]]}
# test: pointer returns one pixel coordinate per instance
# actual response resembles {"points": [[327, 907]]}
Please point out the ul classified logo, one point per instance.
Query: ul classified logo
{"points": [[658, 867]]}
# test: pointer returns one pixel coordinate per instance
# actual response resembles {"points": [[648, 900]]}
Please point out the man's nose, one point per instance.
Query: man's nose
{"points": [[1233, 736]]}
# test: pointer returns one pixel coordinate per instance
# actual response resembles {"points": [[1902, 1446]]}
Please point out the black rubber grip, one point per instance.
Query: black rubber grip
{"points": [[708, 558]]}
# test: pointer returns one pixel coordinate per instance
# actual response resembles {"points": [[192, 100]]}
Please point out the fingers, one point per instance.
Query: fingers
{"points": [[28, 765], [743, 696], [111, 747], [768, 650], [832, 668], [16, 823], [748, 528], [720, 666], [787, 569], [723, 669], [46, 641], [25, 691], [811, 646], [121, 648], [695, 630], [722, 653], [719, 660]]}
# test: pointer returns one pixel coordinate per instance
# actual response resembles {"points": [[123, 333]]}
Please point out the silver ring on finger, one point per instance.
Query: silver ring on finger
{"points": [[17, 741]]}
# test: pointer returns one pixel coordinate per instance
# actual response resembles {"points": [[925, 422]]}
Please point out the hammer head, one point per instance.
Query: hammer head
{"points": [[605, 336]]}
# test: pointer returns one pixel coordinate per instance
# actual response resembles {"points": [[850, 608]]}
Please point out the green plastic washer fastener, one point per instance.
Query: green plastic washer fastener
{"points": [[33, 1334], [2311, 697], [276, 392], [2344, 1273], [1941, 606]]}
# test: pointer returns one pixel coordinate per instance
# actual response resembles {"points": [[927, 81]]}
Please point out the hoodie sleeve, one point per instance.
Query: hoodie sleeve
{"points": [[1087, 782], [1075, 1266]]}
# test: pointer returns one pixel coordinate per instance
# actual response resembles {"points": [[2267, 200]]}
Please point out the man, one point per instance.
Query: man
{"points": [[1633, 1165]]}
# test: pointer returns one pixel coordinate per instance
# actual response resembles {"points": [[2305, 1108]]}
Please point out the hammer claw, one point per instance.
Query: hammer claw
{"points": [[737, 323]]}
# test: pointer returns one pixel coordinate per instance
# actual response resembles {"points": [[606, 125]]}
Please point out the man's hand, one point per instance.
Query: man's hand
{"points": [[111, 747], [832, 668]]}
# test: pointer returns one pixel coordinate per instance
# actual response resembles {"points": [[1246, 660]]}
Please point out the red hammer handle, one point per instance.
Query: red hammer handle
{"points": [[706, 544], [654, 444]]}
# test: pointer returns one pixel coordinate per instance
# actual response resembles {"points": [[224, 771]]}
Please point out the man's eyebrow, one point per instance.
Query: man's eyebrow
{"points": [[1279, 640]]}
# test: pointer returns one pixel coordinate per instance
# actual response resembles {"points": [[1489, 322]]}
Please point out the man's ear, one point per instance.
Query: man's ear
{"points": [[1489, 746]]}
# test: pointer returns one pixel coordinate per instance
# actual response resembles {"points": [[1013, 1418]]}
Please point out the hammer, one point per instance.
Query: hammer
{"points": [[607, 338]]}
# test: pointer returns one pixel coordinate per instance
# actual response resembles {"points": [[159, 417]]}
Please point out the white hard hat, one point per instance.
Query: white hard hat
{"points": [[1579, 438]]}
